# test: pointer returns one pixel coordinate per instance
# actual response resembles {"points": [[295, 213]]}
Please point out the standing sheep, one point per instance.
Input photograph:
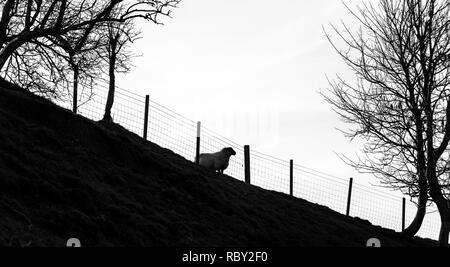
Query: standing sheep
{"points": [[217, 161]]}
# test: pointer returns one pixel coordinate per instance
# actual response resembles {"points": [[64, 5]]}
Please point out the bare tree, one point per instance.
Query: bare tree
{"points": [[80, 54], [37, 38], [118, 55], [400, 104], [56, 66], [22, 21], [38, 70]]}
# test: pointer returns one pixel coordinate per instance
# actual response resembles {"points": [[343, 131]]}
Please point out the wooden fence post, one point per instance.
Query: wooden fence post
{"points": [[247, 163], [349, 198], [147, 103], [197, 147], [291, 178], [403, 214]]}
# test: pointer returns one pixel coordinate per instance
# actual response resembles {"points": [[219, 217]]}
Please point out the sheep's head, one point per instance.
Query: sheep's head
{"points": [[229, 151]]}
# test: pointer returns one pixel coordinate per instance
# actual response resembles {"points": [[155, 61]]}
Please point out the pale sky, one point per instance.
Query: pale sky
{"points": [[252, 71]]}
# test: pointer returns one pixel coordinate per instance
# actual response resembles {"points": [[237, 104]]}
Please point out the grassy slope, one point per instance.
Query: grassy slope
{"points": [[64, 176]]}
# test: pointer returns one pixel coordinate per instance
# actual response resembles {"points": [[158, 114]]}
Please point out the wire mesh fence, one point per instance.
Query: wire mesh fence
{"points": [[318, 188], [128, 108], [387, 212], [179, 134], [269, 172], [171, 130]]}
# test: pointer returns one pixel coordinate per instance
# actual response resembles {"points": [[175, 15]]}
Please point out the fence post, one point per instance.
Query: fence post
{"points": [[403, 214], [349, 198], [147, 103], [197, 147], [247, 163], [291, 178]]}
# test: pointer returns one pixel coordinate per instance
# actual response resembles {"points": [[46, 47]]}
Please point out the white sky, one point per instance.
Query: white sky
{"points": [[252, 71]]}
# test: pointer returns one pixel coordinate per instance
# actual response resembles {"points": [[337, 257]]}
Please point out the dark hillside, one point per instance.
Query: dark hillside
{"points": [[65, 176]]}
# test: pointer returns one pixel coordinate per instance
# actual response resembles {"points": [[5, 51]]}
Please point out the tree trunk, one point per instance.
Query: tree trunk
{"points": [[442, 204], [76, 74], [415, 225], [3, 59], [445, 229], [112, 88]]}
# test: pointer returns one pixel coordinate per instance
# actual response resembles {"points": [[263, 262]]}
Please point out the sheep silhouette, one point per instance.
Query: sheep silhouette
{"points": [[218, 161]]}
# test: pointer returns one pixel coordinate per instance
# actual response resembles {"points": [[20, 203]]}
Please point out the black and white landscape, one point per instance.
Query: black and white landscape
{"points": [[187, 124]]}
